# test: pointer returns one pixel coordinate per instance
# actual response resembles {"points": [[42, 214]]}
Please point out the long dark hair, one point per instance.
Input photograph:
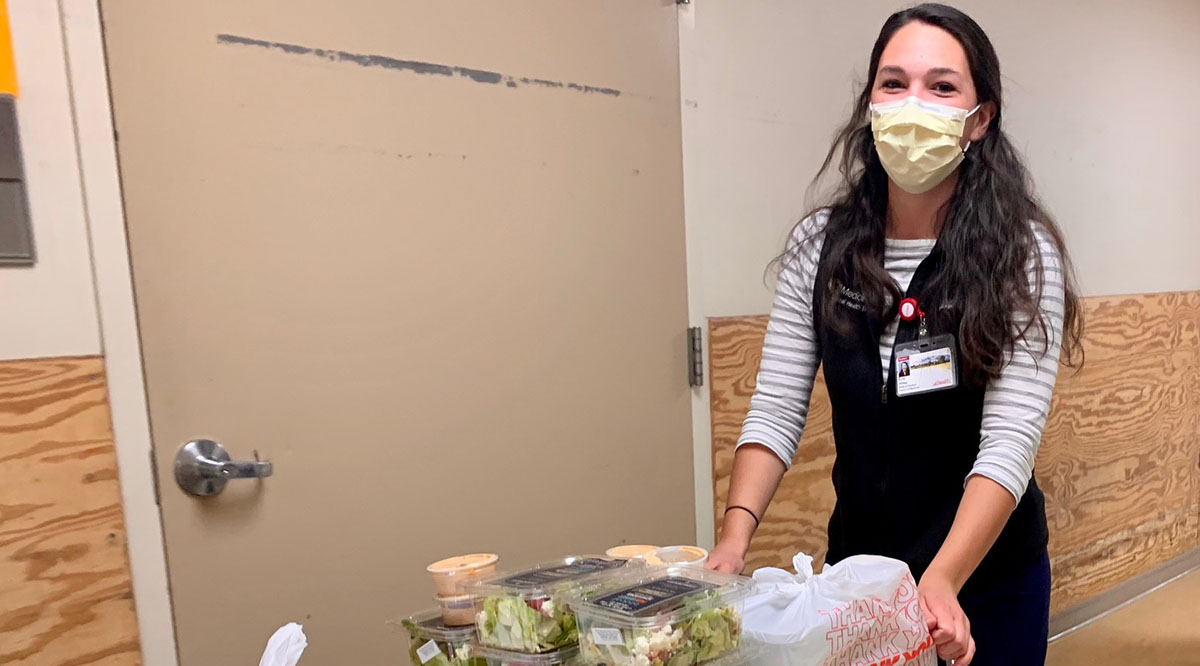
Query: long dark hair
{"points": [[986, 237]]}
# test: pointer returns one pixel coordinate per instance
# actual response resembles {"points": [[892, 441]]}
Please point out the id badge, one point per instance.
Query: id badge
{"points": [[925, 365]]}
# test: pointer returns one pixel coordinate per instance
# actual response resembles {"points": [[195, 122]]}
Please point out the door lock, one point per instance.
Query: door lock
{"points": [[203, 467]]}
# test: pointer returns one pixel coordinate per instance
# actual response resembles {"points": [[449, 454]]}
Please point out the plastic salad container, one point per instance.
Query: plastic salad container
{"points": [[526, 611], [567, 656], [662, 616], [432, 643]]}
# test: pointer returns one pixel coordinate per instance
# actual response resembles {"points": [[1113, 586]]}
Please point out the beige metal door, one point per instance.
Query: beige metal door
{"points": [[428, 259]]}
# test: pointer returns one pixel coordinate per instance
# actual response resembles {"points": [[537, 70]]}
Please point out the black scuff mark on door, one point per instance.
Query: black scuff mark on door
{"points": [[413, 66], [545, 83], [593, 89]]}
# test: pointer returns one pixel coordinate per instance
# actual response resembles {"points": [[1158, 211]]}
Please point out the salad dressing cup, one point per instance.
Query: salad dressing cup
{"points": [[629, 552], [450, 574], [457, 611], [672, 555]]}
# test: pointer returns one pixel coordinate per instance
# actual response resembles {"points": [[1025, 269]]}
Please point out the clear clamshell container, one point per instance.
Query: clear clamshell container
{"points": [[662, 616], [567, 656], [527, 611], [434, 643]]}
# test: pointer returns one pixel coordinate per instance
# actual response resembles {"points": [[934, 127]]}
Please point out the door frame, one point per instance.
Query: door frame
{"points": [[702, 456], [87, 73]]}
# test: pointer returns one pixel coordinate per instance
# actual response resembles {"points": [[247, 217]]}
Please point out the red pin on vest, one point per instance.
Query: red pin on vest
{"points": [[910, 310]]}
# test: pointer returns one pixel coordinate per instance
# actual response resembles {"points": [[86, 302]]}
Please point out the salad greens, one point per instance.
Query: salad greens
{"points": [[449, 654], [528, 611], [703, 633], [535, 625]]}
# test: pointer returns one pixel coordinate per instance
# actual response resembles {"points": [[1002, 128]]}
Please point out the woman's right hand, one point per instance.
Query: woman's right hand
{"points": [[727, 557]]}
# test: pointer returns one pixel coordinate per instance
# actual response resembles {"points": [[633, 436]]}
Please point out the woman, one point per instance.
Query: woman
{"points": [[934, 250]]}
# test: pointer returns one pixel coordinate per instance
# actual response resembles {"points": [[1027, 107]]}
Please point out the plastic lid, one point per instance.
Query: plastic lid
{"points": [[663, 594], [563, 655], [428, 625], [546, 578], [462, 563], [629, 552], [675, 555]]}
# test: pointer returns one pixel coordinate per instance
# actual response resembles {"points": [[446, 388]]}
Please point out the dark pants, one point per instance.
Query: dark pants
{"points": [[1010, 620]]}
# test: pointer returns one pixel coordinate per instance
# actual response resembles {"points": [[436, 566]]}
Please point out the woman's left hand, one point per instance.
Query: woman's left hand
{"points": [[946, 620]]}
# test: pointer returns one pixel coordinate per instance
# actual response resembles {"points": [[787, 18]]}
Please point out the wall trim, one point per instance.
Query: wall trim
{"points": [[96, 149], [1066, 622]]}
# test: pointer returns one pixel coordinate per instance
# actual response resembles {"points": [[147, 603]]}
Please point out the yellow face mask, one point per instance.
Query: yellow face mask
{"points": [[917, 141]]}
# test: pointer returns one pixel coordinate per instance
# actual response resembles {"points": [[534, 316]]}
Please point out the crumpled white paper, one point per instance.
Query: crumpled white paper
{"points": [[285, 647]]}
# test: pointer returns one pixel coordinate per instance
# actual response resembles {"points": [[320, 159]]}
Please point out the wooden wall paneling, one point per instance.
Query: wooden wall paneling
{"points": [[1119, 463], [65, 590], [798, 517]]}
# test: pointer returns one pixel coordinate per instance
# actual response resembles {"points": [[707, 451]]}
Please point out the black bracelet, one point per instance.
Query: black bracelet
{"points": [[731, 507]]}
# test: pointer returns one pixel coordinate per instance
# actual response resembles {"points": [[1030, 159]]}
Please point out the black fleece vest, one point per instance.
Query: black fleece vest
{"points": [[901, 462]]}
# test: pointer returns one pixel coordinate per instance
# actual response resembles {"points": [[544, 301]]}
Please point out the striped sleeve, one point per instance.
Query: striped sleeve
{"points": [[1017, 403], [791, 352]]}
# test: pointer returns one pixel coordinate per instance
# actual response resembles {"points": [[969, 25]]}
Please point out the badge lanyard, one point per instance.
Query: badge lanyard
{"points": [[926, 364]]}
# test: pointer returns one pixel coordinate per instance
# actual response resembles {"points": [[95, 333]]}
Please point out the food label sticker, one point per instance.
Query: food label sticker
{"points": [[576, 569], [428, 651], [603, 636], [651, 597]]}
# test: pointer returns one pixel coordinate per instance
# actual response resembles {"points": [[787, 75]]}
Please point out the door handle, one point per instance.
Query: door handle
{"points": [[203, 467]]}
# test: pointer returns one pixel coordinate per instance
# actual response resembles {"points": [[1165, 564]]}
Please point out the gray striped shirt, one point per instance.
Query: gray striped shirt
{"points": [[1015, 404]]}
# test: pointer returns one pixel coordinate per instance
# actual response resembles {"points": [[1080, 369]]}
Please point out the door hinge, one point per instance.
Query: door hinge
{"points": [[154, 476], [683, 2], [695, 357]]}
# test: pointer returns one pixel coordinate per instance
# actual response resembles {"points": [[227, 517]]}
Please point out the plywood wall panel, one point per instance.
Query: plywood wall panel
{"points": [[1119, 458], [798, 517], [65, 590]]}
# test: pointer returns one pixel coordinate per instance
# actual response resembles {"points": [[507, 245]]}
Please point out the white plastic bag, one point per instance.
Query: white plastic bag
{"points": [[285, 647], [862, 611]]}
